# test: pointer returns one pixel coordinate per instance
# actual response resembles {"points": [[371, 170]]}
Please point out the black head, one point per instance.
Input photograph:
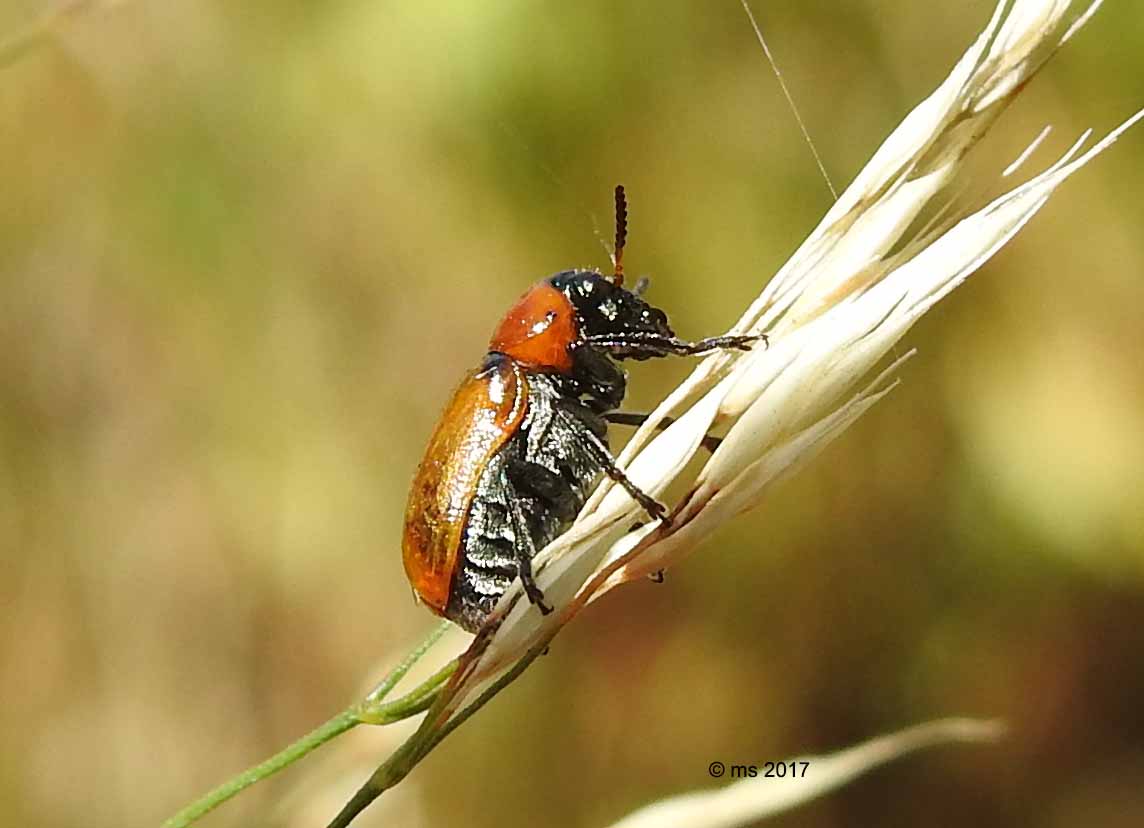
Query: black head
{"points": [[607, 312]]}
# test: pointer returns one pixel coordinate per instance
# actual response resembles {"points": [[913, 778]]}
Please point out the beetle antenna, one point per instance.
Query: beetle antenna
{"points": [[621, 234]]}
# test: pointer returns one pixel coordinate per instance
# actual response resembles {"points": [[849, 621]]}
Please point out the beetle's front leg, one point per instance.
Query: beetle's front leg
{"points": [[639, 345]]}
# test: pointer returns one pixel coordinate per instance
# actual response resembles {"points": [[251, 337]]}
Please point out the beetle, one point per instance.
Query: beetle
{"points": [[523, 440]]}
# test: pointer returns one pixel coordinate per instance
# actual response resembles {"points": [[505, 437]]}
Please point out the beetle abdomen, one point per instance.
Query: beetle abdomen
{"points": [[483, 415], [492, 546]]}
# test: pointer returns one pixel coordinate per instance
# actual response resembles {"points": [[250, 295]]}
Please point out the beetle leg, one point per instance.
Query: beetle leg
{"points": [[718, 343], [631, 419], [525, 552], [599, 449], [640, 345]]}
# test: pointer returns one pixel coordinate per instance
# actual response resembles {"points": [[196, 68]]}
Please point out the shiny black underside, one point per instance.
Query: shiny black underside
{"points": [[492, 546]]}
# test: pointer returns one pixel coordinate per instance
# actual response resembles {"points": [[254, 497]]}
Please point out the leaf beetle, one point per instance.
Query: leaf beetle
{"points": [[523, 440]]}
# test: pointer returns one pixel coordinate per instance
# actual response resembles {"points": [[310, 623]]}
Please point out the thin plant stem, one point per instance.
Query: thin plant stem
{"points": [[427, 737], [440, 722], [392, 771], [336, 726], [370, 710], [415, 701], [398, 673]]}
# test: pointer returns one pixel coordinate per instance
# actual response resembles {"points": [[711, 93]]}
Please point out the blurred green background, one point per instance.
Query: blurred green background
{"points": [[247, 249]]}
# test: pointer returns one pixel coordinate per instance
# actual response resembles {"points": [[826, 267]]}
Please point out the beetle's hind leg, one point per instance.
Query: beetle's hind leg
{"points": [[525, 552], [630, 418]]}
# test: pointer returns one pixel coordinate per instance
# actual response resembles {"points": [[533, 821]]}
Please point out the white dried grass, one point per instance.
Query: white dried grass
{"points": [[857, 284]]}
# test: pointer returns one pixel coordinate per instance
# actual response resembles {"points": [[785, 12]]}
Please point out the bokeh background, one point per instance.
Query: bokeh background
{"points": [[247, 249]]}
